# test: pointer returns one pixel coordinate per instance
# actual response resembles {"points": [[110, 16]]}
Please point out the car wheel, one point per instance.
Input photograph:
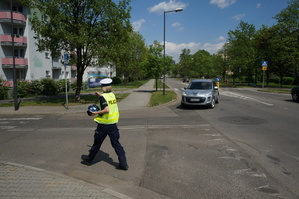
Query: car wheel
{"points": [[295, 97], [212, 104], [183, 105]]}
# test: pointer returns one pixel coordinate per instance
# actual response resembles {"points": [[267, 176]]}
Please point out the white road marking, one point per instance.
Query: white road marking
{"points": [[230, 94], [164, 126], [18, 119], [7, 127], [250, 173], [4, 122]]}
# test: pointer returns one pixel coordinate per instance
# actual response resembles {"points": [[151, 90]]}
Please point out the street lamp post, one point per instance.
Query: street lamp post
{"points": [[164, 72]]}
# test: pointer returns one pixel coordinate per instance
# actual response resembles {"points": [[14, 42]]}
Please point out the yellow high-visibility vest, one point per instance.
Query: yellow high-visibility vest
{"points": [[113, 115]]}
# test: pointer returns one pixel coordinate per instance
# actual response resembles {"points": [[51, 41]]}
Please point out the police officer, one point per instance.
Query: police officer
{"points": [[106, 119]]}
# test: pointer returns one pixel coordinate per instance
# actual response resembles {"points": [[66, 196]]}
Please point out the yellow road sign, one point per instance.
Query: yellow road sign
{"points": [[264, 68]]}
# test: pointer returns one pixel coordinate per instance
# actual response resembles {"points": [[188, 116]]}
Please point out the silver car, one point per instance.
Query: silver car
{"points": [[201, 92]]}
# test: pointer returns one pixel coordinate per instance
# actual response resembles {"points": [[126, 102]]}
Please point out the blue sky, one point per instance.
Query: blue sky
{"points": [[203, 24]]}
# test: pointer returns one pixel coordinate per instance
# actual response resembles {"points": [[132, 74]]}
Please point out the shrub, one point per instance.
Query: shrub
{"points": [[285, 80], [288, 80], [74, 86], [275, 80], [23, 88], [84, 85], [3, 91], [60, 85], [117, 80], [36, 87], [49, 87]]}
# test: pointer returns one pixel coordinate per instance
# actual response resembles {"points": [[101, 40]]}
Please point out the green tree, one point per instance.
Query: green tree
{"points": [[284, 53], [198, 65], [264, 53], [221, 60], [288, 36], [185, 63], [130, 57], [155, 62], [91, 28], [219, 65], [201, 65], [242, 51]]}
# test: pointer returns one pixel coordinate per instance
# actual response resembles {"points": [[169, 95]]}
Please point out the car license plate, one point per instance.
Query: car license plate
{"points": [[194, 100]]}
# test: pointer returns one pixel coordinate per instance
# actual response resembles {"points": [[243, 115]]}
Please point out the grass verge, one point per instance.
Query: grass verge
{"points": [[286, 91], [158, 98], [85, 99]]}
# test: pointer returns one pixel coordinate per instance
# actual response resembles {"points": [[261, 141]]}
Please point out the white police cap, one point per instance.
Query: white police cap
{"points": [[106, 82]]}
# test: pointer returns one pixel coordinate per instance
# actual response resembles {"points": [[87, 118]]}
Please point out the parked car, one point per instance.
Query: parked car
{"points": [[295, 94], [201, 92], [185, 79]]}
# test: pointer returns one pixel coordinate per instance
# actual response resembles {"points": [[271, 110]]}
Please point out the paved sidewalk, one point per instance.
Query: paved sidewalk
{"points": [[139, 98], [20, 181]]}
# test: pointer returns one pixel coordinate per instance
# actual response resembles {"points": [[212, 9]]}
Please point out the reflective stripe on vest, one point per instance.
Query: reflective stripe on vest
{"points": [[113, 115]]}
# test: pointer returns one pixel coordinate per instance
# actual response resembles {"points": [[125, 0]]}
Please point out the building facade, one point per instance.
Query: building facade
{"points": [[19, 52]]}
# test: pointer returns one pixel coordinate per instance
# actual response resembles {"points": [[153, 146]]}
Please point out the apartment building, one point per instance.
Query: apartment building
{"points": [[18, 50]]}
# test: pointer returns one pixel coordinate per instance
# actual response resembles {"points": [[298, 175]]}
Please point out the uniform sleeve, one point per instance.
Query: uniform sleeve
{"points": [[103, 102]]}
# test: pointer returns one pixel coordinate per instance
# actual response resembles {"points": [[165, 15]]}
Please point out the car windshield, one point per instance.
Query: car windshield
{"points": [[200, 85]]}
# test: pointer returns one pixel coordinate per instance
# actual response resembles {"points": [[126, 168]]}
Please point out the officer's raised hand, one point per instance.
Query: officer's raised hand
{"points": [[98, 94]]}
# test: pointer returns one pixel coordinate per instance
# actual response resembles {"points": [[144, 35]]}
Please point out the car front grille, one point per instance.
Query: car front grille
{"points": [[195, 99]]}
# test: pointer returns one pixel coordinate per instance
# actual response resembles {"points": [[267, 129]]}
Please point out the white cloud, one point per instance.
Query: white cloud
{"points": [[258, 5], [239, 17], [221, 38], [223, 3], [166, 6], [176, 24], [138, 24], [174, 50]]}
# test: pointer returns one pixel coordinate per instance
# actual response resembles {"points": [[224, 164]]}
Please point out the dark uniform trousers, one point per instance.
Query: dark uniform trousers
{"points": [[100, 134]]}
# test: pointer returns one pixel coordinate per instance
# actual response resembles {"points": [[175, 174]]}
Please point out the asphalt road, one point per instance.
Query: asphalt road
{"points": [[265, 125], [240, 149]]}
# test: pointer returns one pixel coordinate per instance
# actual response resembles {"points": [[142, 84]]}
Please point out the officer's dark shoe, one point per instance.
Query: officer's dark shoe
{"points": [[120, 167], [86, 160]]}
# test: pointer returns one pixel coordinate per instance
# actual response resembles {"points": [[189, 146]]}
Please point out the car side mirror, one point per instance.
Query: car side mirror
{"points": [[185, 88], [215, 87]]}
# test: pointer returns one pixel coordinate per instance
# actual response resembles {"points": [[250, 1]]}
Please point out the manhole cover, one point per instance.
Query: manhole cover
{"points": [[242, 120]]}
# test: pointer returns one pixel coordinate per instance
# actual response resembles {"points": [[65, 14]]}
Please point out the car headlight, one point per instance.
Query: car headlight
{"points": [[209, 94], [184, 94]]}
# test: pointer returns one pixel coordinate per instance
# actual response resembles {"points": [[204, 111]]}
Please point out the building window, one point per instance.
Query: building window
{"points": [[18, 31], [47, 55], [48, 74], [17, 8], [19, 53]]}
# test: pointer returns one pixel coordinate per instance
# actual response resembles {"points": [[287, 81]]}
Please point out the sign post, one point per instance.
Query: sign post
{"points": [[66, 61], [218, 83], [264, 68]]}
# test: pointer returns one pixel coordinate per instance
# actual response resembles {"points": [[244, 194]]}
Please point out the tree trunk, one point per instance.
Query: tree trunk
{"points": [[80, 72]]}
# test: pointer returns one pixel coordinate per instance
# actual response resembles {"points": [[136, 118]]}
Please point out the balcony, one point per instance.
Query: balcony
{"points": [[6, 40], [19, 62], [18, 18]]}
